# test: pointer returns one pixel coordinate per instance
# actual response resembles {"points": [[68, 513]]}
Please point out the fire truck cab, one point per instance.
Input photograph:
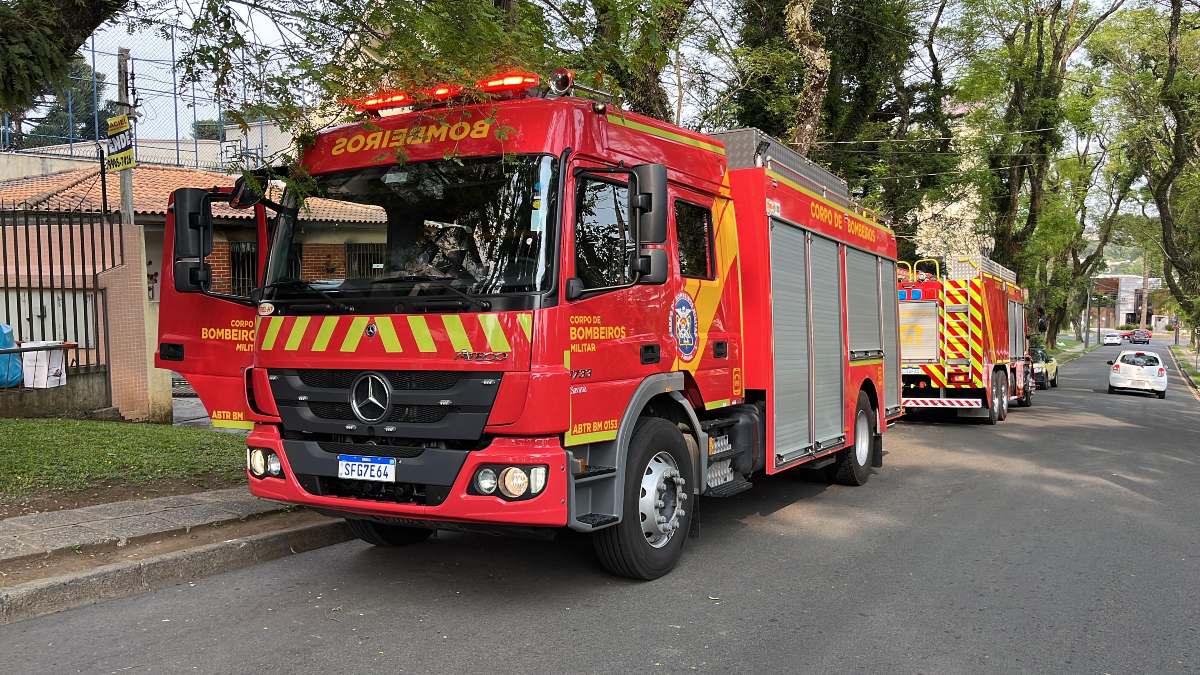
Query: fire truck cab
{"points": [[963, 338], [535, 312]]}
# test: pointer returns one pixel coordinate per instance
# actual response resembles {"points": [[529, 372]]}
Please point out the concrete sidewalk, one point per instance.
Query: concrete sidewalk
{"points": [[118, 522]]}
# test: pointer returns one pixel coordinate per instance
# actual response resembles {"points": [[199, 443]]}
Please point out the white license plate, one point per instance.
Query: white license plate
{"points": [[1141, 384], [357, 467], [909, 370]]}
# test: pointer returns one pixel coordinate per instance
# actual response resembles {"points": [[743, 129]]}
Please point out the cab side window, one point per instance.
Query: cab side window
{"points": [[604, 239], [693, 228]]}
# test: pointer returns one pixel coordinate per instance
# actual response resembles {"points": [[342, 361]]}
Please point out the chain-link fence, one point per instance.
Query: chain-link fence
{"points": [[176, 122]]}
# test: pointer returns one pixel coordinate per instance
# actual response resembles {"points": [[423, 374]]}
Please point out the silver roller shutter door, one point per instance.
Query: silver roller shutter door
{"points": [[789, 311], [827, 356], [862, 300], [891, 334]]}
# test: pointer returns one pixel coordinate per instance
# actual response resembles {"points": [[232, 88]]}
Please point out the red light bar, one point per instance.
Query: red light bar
{"points": [[381, 101], [509, 82]]}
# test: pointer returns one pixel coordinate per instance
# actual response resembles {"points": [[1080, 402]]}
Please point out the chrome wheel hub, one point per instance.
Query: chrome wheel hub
{"points": [[660, 500], [862, 438]]}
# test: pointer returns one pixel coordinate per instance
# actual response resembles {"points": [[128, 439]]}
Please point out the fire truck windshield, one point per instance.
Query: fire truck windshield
{"points": [[369, 239]]}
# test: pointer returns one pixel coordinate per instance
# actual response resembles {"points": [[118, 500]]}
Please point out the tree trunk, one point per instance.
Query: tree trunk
{"points": [[811, 46]]}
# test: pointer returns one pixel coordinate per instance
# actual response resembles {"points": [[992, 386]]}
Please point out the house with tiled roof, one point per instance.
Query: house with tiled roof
{"points": [[234, 257]]}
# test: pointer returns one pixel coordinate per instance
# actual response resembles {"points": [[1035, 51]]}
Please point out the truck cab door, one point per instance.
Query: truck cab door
{"points": [[206, 318]]}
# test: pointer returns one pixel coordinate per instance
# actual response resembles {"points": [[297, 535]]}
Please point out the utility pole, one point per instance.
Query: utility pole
{"points": [[126, 108]]}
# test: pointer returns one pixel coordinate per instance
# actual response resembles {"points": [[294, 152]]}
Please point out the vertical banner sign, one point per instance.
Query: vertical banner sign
{"points": [[120, 145]]}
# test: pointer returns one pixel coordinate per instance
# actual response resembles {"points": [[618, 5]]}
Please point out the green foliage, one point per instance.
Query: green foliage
{"points": [[73, 113], [208, 129], [771, 71], [38, 41]]}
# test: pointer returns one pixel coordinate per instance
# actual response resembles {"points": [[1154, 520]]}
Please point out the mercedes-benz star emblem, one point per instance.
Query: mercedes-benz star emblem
{"points": [[370, 397]]}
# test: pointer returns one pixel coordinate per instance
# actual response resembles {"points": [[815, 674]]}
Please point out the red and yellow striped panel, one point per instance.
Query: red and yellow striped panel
{"points": [[956, 324], [937, 374], [975, 300], [413, 333]]}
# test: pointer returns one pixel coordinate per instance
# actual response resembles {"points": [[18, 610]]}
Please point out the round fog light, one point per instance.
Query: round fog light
{"points": [[258, 462], [274, 466], [513, 482], [485, 481], [537, 479]]}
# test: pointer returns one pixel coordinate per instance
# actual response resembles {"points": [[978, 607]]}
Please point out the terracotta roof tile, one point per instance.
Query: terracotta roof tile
{"points": [[79, 189]]}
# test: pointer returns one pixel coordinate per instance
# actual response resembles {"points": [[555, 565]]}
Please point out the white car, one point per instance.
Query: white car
{"points": [[1138, 371], [1112, 339]]}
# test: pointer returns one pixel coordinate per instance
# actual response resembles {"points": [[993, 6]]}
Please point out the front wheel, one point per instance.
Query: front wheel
{"points": [[1161, 394], [853, 465], [648, 541], [1054, 381], [1004, 394]]}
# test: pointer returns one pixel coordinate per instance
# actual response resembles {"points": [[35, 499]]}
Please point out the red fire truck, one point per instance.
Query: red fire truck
{"points": [[963, 337], [537, 311]]}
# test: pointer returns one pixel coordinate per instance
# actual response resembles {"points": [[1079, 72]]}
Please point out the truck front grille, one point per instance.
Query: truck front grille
{"points": [[442, 405]]}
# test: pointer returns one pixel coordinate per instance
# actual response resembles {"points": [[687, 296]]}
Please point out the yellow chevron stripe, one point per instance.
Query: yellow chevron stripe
{"points": [[387, 334], [274, 323], [421, 334], [299, 327], [526, 321], [321, 343], [458, 334], [497, 340], [357, 326]]}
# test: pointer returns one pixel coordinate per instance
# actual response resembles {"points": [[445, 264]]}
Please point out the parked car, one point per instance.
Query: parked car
{"points": [[1045, 369], [1112, 339], [1140, 336], [1138, 371], [1125, 333]]}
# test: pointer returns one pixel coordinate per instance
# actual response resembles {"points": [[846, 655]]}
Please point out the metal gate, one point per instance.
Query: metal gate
{"points": [[51, 256], [365, 260], [243, 267]]}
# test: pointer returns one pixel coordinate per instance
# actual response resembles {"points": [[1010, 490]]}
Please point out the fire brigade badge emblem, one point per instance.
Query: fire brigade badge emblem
{"points": [[683, 326]]}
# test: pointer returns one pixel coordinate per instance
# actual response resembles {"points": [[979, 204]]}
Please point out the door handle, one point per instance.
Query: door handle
{"points": [[170, 351], [650, 354]]}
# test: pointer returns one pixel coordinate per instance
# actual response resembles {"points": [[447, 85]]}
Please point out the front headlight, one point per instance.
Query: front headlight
{"points": [[1037, 367]]}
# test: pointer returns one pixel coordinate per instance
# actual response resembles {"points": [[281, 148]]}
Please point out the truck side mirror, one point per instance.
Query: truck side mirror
{"points": [[651, 203], [652, 266], [193, 240], [574, 288], [245, 194]]}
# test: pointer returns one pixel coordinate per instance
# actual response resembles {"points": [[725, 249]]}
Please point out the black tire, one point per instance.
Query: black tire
{"points": [[1161, 394], [1026, 399], [1054, 382], [1004, 395], [993, 409], [378, 534], [850, 469], [624, 549], [1111, 389]]}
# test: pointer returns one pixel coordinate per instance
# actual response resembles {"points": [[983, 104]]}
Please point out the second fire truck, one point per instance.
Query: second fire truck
{"points": [[963, 339]]}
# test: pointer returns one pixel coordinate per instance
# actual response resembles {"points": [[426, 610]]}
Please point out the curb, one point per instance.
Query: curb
{"points": [[121, 580], [1187, 379]]}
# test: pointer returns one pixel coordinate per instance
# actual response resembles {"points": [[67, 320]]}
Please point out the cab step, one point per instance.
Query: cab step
{"points": [[730, 488], [597, 520], [594, 472]]}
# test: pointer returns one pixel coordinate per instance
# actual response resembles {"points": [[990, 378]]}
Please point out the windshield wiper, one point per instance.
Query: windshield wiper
{"points": [[439, 283], [334, 303]]}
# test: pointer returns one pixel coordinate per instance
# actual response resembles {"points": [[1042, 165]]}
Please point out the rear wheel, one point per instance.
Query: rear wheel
{"points": [[1004, 391], [854, 463], [994, 403], [648, 541], [1054, 380], [379, 534], [1112, 389], [1161, 394], [1026, 399]]}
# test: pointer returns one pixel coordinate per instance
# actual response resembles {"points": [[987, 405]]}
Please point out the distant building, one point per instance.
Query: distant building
{"points": [[1125, 296]]}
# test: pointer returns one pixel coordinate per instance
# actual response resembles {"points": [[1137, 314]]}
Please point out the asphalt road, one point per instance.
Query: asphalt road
{"points": [[1066, 539]]}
